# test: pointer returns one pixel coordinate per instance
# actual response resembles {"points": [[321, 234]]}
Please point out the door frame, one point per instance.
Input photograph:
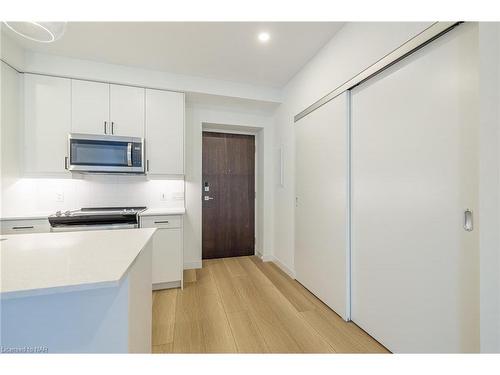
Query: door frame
{"points": [[230, 129]]}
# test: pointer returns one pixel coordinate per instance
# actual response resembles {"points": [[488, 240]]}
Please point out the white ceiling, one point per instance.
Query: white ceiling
{"points": [[220, 50]]}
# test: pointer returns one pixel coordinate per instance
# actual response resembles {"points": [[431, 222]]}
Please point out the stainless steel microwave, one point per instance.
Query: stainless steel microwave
{"points": [[90, 153]]}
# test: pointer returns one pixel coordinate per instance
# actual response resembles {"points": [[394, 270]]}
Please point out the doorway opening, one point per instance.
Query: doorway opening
{"points": [[228, 195]]}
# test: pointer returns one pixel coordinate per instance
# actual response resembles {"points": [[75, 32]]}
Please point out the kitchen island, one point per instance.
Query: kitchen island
{"points": [[76, 292]]}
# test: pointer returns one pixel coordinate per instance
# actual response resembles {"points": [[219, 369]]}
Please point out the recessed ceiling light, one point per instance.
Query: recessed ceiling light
{"points": [[44, 32], [264, 37]]}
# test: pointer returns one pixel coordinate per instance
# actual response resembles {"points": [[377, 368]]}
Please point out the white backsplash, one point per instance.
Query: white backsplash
{"points": [[40, 195]]}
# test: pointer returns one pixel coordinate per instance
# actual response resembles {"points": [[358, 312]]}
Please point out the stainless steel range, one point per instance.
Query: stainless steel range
{"points": [[96, 218]]}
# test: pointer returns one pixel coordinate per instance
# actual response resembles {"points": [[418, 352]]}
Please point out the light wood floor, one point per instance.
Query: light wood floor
{"points": [[244, 305]]}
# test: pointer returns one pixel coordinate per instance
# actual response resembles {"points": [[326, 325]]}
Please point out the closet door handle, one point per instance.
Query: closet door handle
{"points": [[66, 162], [112, 127], [468, 220], [105, 127], [147, 165]]}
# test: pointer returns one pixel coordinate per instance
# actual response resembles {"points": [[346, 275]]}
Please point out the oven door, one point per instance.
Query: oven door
{"points": [[105, 154]]}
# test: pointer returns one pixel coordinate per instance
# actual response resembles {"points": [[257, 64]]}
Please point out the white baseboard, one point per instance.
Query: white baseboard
{"points": [[281, 265], [168, 285], [192, 265], [266, 258]]}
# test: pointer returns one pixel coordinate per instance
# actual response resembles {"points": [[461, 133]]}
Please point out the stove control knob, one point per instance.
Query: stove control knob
{"points": [[58, 213]]}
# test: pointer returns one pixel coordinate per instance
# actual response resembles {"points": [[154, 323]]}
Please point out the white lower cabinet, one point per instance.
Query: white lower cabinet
{"points": [[167, 250], [25, 226]]}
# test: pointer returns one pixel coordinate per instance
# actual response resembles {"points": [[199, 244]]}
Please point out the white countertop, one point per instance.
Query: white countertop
{"points": [[163, 211], [44, 215], [27, 216], [44, 263]]}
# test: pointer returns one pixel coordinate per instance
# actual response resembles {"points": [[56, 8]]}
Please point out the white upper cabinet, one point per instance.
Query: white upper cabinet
{"points": [[127, 111], [90, 107], [47, 123], [164, 132], [55, 106]]}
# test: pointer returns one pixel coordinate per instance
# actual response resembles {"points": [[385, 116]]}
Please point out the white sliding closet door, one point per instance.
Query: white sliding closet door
{"points": [[415, 270], [321, 207]]}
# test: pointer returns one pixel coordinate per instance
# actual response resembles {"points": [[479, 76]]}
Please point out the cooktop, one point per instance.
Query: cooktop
{"points": [[96, 216]]}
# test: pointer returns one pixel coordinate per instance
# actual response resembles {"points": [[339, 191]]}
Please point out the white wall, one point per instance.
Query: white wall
{"points": [[11, 52], [489, 186], [38, 196], [355, 47], [10, 135], [196, 116]]}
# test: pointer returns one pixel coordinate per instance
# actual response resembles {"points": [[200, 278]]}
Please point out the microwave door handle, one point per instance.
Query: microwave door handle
{"points": [[129, 154]]}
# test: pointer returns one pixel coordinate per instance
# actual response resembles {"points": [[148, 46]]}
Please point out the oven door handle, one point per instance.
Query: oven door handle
{"points": [[79, 228], [129, 154]]}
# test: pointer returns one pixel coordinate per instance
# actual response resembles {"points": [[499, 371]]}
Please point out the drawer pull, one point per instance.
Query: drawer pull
{"points": [[25, 227], [161, 222]]}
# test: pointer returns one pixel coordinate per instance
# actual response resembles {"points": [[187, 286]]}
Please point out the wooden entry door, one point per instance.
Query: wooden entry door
{"points": [[228, 195]]}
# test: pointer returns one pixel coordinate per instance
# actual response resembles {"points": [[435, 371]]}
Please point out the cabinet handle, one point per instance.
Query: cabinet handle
{"points": [[24, 227], [105, 127], [112, 127], [147, 165], [161, 222], [66, 162]]}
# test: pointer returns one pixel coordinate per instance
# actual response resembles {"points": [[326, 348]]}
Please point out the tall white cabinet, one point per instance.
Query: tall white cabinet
{"points": [[321, 206], [47, 123], [165, 132]]}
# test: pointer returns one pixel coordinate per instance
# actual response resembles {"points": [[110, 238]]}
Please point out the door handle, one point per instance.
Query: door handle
{"points": [[105, 127], [468, 220], [207, 198], [129, 154], [112, 127], [66, 162]]}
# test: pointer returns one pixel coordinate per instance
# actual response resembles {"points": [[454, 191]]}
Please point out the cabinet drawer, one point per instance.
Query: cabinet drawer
{"points": [[25, 226], [173, 221]]}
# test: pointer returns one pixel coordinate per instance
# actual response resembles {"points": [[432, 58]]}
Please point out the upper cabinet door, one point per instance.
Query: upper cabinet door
{"points": [[90, 107], [165, 132], [127, 111], [47, 123]]}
